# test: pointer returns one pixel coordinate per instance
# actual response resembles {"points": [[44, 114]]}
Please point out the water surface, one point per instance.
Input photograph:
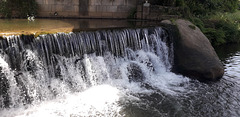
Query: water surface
{"points": [[45, 26], [91, 85]]}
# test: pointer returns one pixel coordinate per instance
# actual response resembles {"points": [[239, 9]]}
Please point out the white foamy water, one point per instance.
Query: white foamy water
{"points": [[88, 74], [101, 95], [96, 101]]}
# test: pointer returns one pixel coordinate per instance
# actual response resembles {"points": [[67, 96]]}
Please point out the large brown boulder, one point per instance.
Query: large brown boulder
{"points": [[194, 55]]}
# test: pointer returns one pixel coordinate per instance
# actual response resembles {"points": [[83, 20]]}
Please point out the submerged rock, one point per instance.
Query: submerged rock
{"points": [[135, 73], [194, 55]]}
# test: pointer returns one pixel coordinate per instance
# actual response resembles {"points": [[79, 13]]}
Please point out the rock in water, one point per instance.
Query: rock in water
{"points": [[194, 55]]}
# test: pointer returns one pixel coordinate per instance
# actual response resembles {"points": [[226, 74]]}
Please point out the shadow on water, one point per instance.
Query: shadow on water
{"points": [[226, 51], [96, 24]]}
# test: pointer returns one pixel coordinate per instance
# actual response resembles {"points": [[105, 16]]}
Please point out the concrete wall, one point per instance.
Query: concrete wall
{"points": [[64, 8], [86, 8], [155, 12]]}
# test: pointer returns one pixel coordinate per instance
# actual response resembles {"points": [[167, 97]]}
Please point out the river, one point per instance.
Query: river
{"points": [[54, 76]]}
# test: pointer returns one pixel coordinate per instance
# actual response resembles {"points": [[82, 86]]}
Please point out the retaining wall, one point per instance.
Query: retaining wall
{"points": [[156, 12], [86, 8]]}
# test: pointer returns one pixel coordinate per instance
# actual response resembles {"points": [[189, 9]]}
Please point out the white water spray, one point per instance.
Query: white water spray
{"points": [[63, 75]]}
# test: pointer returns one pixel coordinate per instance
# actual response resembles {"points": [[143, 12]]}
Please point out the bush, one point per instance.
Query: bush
{"points": [[216, 37], [220, 32], [214, 19], [209, 7], [231, 31], [18, 8], [198, 22]]}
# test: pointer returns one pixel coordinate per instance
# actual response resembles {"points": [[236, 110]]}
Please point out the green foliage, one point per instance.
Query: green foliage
{"points": [[220, 32], [231, 31], [216, 37], [192, 27], [198, 22], [18, 8], [216, 18], [229, 17], [209, 7]]}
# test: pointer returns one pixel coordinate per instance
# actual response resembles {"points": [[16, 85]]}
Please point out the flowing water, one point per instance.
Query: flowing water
{"points": [[118, 73]]}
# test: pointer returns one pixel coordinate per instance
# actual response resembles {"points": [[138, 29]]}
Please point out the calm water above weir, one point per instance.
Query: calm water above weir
{"points": [[110, 74], [45, 26]]}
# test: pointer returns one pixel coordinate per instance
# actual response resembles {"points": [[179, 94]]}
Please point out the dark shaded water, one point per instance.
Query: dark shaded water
{"points": [[109, 73]]}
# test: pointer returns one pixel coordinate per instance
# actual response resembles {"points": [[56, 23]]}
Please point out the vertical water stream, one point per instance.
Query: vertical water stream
{"points": [[85, 74]]}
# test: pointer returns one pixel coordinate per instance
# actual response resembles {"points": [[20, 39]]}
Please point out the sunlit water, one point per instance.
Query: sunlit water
{"points": [[233, 66], [96, 101]]}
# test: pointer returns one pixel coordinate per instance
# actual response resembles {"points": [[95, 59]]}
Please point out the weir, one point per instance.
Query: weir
{"points": [[34, 70]]}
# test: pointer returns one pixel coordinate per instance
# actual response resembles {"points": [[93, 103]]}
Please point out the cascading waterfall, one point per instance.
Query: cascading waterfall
{"points": [[85, 73]]}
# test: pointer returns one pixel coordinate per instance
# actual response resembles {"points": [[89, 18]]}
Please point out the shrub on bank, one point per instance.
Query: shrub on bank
{"points": [[219, 31], [219, 20], [231, 31]]}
